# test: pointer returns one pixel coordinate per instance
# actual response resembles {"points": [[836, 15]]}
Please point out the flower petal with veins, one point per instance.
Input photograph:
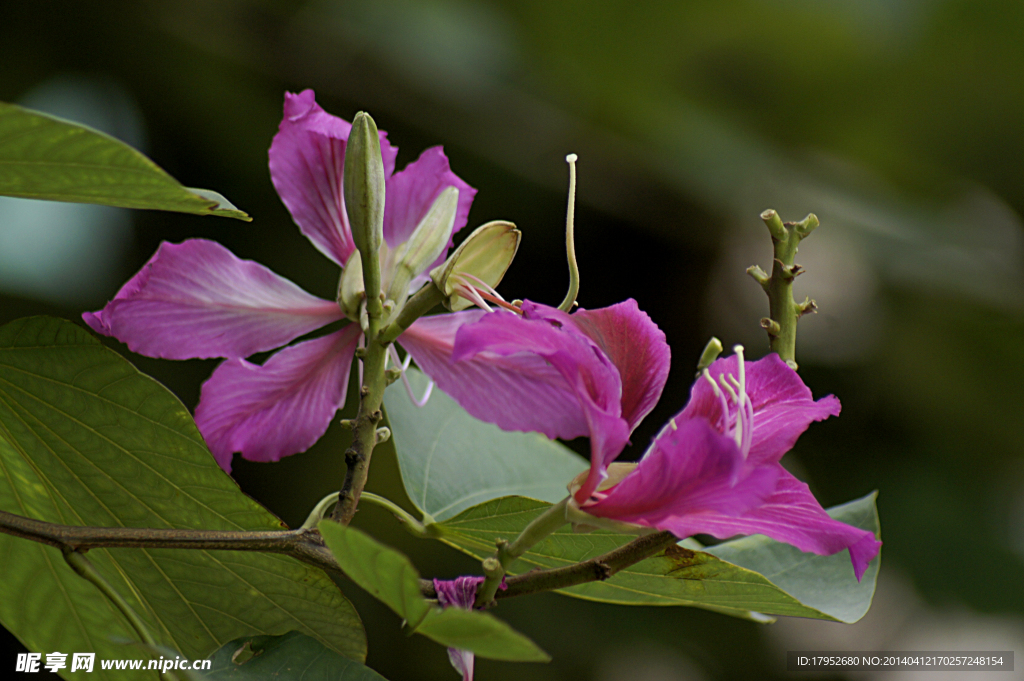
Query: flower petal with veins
{"points": [[307, 157], [270, 411], [196, 299]]}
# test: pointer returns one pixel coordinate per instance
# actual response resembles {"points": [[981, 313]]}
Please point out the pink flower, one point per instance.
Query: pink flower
{"points": [[714, 469], [196, 299], [460, 593], [593, 373]]}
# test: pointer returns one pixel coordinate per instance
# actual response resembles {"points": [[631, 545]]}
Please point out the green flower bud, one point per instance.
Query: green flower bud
{"points": [[483, 258], [363, 185], [351, 290]]}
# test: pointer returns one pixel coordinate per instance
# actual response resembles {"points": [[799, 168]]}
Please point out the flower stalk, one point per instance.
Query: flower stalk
{"points": [[495, 568], [783, 310]]}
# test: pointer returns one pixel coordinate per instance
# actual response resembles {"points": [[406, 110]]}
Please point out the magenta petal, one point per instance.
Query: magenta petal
{"points": [[196, 299], [549, 334], [412, 191], [687, 471], [783, 405], [529, 374], [460, 593], [462, 661], [307, 157], [278, 409], [521, 392], [638, 349], [791, 515]]}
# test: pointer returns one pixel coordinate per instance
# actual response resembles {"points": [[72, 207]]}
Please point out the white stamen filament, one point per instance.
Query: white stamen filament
{"points": [[722, 402], [723, 381], [745, 410], [463, 276], [714, 386], [405, 379], [471, 294]]}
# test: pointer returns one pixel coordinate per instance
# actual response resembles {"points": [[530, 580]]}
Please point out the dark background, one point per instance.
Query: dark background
{"points": [[898, 123]]}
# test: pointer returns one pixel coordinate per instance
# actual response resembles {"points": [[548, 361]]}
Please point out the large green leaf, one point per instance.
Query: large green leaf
{"points": [[85, 439], [45, 157], [292, 657], [450, 461], [392, 579], [794, 583]]}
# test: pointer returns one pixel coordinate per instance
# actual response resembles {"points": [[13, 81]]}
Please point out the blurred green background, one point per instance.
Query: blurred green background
{"points": [[899, 123]]}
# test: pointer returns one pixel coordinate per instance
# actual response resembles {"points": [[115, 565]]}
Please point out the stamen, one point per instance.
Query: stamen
{"points": [[570, 244], [723, 404], [470, 294], [707, 375], [738, 349], [422, 402], [728, 388], [501, 303], [481, 290], [405, 379], [745, 413], [734, 382], [481, 284], [672, 422]]}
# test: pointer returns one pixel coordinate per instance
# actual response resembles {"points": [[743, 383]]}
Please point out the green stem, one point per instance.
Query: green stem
{"points": [[596, 569], [783, 310], [415, 527], [319, 511], [364, 429], [542, 526], [422, 302]]}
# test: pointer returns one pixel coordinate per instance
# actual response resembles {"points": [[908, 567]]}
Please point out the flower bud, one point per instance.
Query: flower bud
{"points": [[363, 185], [351, 290], [483, 257]]}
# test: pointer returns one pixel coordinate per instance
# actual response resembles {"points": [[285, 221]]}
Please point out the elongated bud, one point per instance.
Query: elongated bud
{"points": [[483, 258], [363, 185], [351, 290]]}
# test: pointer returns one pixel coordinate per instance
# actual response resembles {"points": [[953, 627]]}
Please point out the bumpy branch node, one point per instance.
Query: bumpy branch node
{"points": [[784, 311]]}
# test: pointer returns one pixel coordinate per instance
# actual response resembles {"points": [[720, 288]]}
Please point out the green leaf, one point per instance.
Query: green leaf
{"points": [[450, 461], [45, 157], [392, 579], [796, 583], [85, 439], [379, 569], [482, 633], [292, 657]]}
